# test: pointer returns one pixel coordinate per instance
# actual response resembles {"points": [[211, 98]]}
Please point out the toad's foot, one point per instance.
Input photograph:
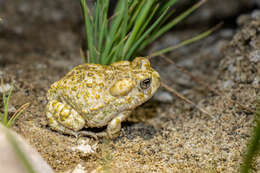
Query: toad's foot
{"points": [[63, 118]]}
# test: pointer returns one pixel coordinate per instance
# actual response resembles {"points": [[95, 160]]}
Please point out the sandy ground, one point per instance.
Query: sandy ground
{"points": [[164, 135]]}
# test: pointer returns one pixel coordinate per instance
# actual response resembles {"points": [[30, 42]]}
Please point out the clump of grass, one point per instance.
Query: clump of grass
{"points": [[4, 116], [131, 28], [254, 143]]}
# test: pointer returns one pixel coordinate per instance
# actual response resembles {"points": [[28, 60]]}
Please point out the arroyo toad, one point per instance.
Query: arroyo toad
{"points": [[92, 95]]}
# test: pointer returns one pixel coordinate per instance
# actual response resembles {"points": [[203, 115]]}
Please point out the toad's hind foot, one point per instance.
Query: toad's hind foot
{"points": [[62, 118]]}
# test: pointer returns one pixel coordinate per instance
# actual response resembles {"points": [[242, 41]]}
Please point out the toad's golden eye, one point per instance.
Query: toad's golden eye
{"points": [[146, 83]]}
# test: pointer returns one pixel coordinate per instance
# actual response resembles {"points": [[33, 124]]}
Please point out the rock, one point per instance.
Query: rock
{"points": [[78, 169], [243, 54], [5, 88], [256, 14], [163, 96], [254, 56], [85, 148], [10, 161]]}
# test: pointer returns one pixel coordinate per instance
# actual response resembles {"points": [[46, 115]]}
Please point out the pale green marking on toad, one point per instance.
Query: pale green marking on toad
{"points": [[92, 95]]}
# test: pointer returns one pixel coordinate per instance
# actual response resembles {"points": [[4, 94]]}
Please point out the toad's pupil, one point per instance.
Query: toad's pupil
{"points": [[146, 83]]}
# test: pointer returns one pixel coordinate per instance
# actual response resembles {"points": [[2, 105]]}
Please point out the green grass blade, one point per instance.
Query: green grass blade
{"points": [[130, 2], [6, 103], [168, 15], [167, 5], [111, 57], [254, 144], [115, 48], [96, 23], [178, 19], [186, 42], [123, 31], [132, 5], [117, 18], [148, 20], [139, 21], [3, 98], [174, 22], [134, 47], [104, 27], [88, 31], [134, 12]]}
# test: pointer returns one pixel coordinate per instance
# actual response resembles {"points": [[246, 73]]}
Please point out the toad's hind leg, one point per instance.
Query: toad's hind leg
{"points": [[63, 118]]}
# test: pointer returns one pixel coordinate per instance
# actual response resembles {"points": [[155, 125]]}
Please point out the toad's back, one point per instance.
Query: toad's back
{"points": [[83, 87]]}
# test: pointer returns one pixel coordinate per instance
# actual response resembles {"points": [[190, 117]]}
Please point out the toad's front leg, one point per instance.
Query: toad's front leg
{"points": [[114, 126], [63, 118]]}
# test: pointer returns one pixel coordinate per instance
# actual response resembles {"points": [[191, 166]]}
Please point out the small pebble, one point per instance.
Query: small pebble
{"points": [[78, 169], [256, 14], [5, 88], [85, 148], [163, 96], [255, 56]]}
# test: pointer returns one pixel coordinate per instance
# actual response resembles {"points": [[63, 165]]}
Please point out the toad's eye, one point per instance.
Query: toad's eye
{"points": [[146, 83]]}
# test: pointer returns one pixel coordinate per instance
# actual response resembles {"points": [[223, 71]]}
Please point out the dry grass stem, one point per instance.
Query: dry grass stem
{"points": [[174, 92], [204, 84]]}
